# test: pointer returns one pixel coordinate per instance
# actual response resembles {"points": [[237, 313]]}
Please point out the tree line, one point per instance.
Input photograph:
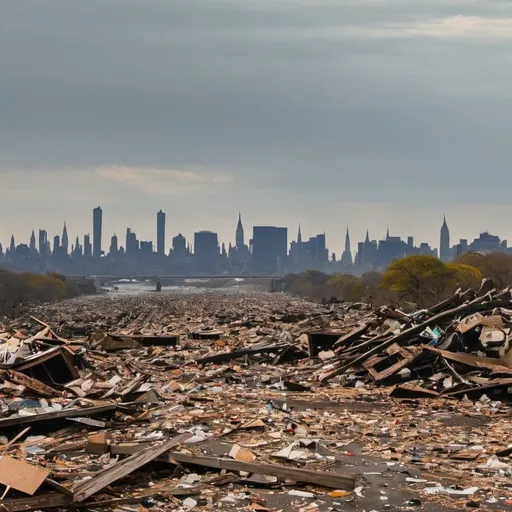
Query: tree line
{"points": [[418, 281], [20, 289]]}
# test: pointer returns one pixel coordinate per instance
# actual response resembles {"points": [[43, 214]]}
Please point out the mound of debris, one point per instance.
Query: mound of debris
{"points": [[262, 402], [458, 348]]}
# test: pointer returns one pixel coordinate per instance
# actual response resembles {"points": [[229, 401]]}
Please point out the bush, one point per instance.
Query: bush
{"points": [[425, 280], [21, 289]]}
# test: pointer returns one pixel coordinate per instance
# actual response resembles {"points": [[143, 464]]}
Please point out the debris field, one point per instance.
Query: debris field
{"points": [[256, 401]]}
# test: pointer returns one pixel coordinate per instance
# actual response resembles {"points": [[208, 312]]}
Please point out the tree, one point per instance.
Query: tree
{"points": [[420, 279], [344, 286], [496, 265], [464, 276]]}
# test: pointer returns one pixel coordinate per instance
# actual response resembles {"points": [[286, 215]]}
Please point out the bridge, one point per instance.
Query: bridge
{"points": [[97, 282]]}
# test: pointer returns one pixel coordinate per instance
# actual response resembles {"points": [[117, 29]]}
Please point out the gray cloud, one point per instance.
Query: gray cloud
{"points": [[325, 103]]}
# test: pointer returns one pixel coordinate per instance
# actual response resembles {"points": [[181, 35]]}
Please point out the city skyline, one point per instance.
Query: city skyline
{"points": [[336, 237], [267, 246]]}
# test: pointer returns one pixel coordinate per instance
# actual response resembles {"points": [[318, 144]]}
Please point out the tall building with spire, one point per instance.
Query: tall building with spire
{"points": [[346, 257], [240, 238], [32, 245], [239, 255], [12, 247], [445, 253], [64, 243]]}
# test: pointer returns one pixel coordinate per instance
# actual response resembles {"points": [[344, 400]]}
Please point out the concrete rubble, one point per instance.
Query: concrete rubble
{"points": [[255, 401]]}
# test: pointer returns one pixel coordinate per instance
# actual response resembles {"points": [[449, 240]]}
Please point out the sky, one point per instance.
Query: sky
{"points": [[327, 113]]}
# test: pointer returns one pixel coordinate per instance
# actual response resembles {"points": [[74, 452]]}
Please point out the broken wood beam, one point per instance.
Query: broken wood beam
{"points": [[332, 480], [127, 466], [353, 335], [33, 385], [38, 502], [64, 414], [228, 356]]}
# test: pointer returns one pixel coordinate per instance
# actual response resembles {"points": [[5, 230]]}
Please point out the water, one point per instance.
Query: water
{"points": [[141, 287]]}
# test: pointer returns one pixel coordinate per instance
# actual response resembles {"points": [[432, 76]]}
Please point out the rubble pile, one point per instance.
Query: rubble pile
{"points": [[458, 348], [255, 401]]}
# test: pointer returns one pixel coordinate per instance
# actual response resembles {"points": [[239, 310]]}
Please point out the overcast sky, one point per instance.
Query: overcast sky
{"points": [[325, 112]]}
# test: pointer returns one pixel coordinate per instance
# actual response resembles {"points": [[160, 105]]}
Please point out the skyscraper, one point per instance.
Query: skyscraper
{"points": [[64, 240], [56, 244], [240, 242], [43, 243], [87, 246], [444, 246], [160, 233], [346, 257], [206, 251], [114, 246], [33, 242], [179, 248], [97, 232], [132, 244], [269, 251]]}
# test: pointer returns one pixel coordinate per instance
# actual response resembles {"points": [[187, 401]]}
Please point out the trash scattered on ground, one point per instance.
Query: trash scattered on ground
{"points": [[256, 401]]}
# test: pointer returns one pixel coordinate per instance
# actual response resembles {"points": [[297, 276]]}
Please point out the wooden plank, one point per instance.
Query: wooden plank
{"points": [[323, 478], [407, 355], [32, 384], [104, 478], [477, 390], [130, 500], [65, 413], [59, 487], [228, 356], [38, 502], [411, 391], [353, 335], [471, 360]]}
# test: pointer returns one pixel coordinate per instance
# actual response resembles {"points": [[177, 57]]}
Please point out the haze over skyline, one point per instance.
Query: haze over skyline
{"points": [[324, 113]]}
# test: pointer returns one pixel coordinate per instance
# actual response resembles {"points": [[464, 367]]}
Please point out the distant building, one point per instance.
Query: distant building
{"points": [[239, 255], [87, 246], [33, 248], [445, 252], [206, 251], [346, 257], [132, 244], [56, 244], [179, 249], [269, 249], [114, 246], [160, 233], [296, 252], [314, 253], [487, 243], [97, 232], [77, 250], [146, 250], [240, 239], [43, 243], [65, 240]]}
